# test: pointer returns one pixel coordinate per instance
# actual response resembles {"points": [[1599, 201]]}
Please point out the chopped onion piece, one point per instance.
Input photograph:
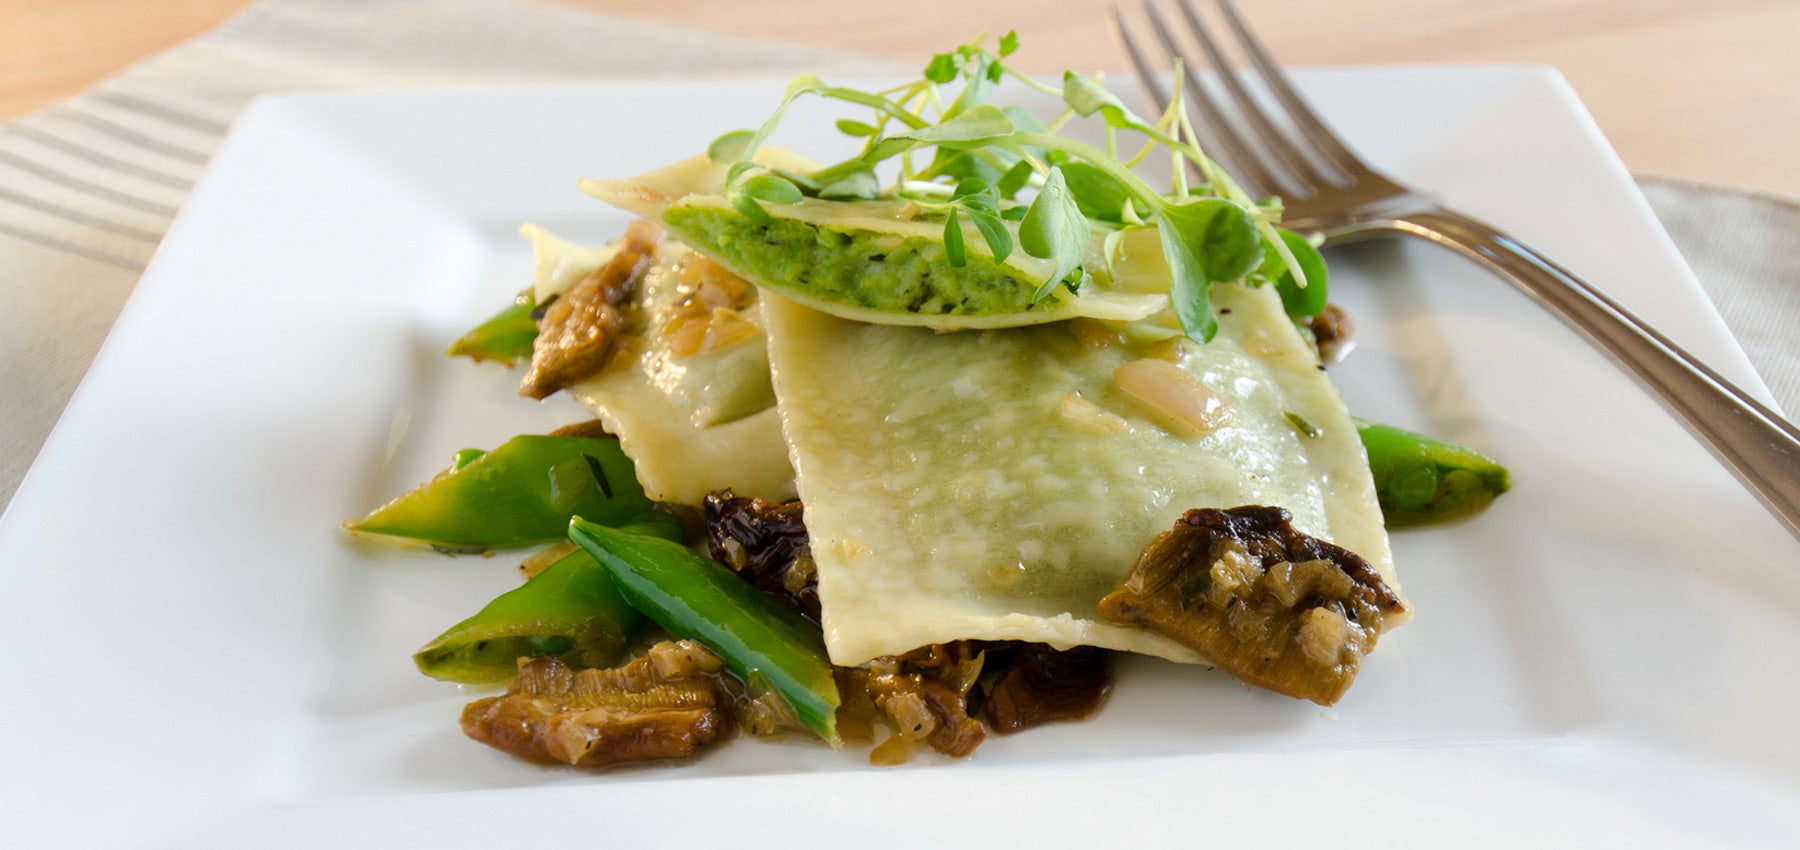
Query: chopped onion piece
{"points": [[543, 558], [1169, 349], [1182, 397], [1091, 416]]}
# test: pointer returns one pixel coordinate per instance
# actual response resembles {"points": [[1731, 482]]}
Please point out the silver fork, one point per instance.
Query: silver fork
{"points": [[1328, 189]]}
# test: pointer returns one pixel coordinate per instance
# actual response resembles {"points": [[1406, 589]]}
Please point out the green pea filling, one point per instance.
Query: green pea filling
{"points": [[861, 268]]}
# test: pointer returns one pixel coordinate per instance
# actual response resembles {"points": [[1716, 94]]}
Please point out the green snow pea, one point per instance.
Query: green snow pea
{"points": [[697, 598], [570, 610], [507, 336], [1419, 480], [521, 493]]}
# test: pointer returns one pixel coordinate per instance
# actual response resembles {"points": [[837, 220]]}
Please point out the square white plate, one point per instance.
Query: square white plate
{"points": [[201, 659]]}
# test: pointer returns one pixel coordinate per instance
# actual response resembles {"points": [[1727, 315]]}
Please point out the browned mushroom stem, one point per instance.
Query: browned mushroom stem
{"points": [[766, 544], [580, 327], [664, 705], [924, 694], [1333, 333], [1045, 685], [1276, 608]]}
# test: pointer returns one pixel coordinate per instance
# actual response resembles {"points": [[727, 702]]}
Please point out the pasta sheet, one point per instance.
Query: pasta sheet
{"points": [[995, 484]]}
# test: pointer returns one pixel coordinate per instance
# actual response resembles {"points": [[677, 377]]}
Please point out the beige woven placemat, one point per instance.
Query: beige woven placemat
{"points": [[88, 186], [1745, 249]]}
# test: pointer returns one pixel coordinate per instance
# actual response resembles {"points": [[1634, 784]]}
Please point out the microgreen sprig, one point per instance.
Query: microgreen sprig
{"points": [[984, 156]]}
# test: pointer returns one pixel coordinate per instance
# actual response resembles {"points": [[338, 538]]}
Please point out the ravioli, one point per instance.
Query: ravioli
{"points": [[877, 261], [560, 264], [691, 422], [996, 484]]}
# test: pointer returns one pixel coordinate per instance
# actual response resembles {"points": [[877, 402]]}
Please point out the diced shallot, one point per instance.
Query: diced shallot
{"points": [[1091, 416], [1169, 390]]}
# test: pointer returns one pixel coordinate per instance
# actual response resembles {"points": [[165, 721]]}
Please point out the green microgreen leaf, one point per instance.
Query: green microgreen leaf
{"points": [[860, 185], [982, 204], [970, 188], [1100, 195], [773, 188], [1014, 179], [807, 185], [811, 84], [1205, 241], [1054, 229], [737, 170], [1086, 96], [985, 202], [855, 128], [999, 239], [750, 209], [803, 84], [1189, 290], [962, 165], [983, 74], [885, 149], [981, 123], [1222, 233], [1009, 43], [954, 251], [942, 68], [877, 151], [1298, 301], [1024, 120], [729, 147]]}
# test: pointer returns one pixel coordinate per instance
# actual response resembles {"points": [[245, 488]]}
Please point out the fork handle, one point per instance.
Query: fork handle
{"points": [[1760, 447]]}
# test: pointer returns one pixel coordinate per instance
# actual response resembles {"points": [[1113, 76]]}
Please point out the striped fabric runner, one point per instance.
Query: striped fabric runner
{"points": [[101, 176]]}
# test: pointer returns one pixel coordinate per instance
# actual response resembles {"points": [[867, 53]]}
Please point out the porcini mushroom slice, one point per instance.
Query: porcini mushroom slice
{"points": [[1272, 606]]}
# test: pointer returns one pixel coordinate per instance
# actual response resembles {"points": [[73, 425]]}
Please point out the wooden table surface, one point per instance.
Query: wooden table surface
{"points": [[1702, 89]]}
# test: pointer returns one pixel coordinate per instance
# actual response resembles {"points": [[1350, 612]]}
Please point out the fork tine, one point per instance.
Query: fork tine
{"points": [[1147, 74], [1274, 140], [1140, 63], [1307, 121], [1250, 168]]}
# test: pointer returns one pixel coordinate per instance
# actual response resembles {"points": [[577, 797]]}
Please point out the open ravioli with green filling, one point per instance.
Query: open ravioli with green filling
{"points": [[874, 261], [997, 484]]}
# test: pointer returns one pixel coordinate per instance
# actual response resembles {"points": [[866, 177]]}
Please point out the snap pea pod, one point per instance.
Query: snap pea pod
{"points": [[506, 336], [694, 597], [570, 610], [521, 493], [464, 457], [1419, 480]]}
